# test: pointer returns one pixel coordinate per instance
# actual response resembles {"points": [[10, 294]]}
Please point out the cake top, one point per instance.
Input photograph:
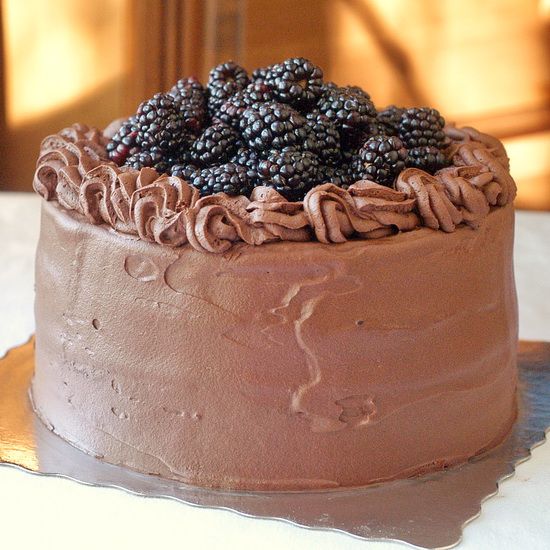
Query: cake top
{"points": [[276, 155]]}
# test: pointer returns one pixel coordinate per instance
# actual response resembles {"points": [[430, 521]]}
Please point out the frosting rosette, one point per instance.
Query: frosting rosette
{"points": [[282, 219], [159, 210], [464, 186], [468, 135], [217, 221], [73, 168], [501, 190], [434, 205], [366, 209]]}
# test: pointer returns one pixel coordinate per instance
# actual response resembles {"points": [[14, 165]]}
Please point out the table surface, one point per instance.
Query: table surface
{"points": [[40, 512]]}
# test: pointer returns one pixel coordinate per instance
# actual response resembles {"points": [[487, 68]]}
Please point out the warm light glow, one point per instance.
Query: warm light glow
{"points": [[468, 58], [530, 166], [544, 8], [58, 51]]}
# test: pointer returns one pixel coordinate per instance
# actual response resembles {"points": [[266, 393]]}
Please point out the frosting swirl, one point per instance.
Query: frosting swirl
{"points": [[219, 220], [434, 206], [367, 209], [468, 135], [464, 187], [73, 168], [158, 210], [502, 189]]}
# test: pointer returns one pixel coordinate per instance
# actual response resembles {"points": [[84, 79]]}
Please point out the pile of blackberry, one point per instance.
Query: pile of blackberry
{"points": [[282, 126]]}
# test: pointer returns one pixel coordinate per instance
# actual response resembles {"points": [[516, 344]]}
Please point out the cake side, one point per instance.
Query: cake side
{"points": [[292, 365]]}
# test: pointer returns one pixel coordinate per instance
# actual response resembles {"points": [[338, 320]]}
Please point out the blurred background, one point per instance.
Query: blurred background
{"points": [[481, 63]]}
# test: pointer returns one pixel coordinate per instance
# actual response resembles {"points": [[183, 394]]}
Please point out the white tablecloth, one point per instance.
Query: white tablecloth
{"points": [[49, 513]]}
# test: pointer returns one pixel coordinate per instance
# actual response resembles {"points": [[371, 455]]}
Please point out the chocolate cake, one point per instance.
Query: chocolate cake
{"points": [[268, 284]]}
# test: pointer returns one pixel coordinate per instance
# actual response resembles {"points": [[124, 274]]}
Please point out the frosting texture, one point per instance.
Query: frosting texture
{"points": [[73, 168], [295, 365]]}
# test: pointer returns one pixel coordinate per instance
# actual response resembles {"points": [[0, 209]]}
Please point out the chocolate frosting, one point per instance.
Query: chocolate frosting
{"points": [[73, 168], [292, 365], [366, 209]]}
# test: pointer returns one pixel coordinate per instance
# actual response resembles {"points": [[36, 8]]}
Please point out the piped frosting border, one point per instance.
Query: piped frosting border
{"points": [[73, 168]]}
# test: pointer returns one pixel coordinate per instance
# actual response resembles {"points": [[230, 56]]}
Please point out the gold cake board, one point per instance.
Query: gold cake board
{"points": [[428, 511]]}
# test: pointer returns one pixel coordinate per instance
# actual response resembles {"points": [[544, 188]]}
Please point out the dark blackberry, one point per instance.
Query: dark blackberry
{"points": [[228, 178], [427, 158], [123, 143], [328, 85], [246, 157], [381, 159], [249, 158], [377, 128], [160, 125], [184, 171], [341, 175], [351, 144], [291, 173], [347, 108], [215, 145], [260, 73], [224, 81], [182, 156], [273, 125], [359, 91], [231, 110], [191, 96], [389, 118], [421, 127], [152, 159], [326, 138], [296, 81]]}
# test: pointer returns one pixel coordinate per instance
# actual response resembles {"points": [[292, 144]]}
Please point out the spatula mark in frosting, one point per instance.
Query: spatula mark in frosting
{"points": [[167, 307], [176, 279], [299, 305], [357, 410], [141, 268]]}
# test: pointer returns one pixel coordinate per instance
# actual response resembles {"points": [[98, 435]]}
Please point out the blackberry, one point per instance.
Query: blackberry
{"points": [[249, 158], [421, 127], [348, 108], [359, 91], [260, 73], [273, 125], [296, 81], [328, 85], [291, 173], [341, 175], [326, 138], [191, 96], [228, 178], [160, 125], [246, 157], [231, 110], [381, 159], [427, 158], [152, 159], [123, 143], [184, 171], [351, 144], [182, 156], [379, 128], [389, 118], [224, 81], [215, 145]]}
